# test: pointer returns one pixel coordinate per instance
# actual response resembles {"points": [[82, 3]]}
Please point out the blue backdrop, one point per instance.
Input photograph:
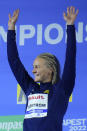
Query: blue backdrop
{"points": [[41, 28]]}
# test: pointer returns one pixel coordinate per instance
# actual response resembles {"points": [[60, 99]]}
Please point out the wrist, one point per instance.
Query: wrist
{"points": [[69, 23], [11, 26]]}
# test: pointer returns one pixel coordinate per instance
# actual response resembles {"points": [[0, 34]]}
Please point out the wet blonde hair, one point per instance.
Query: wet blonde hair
{"points": [[52, 62]]}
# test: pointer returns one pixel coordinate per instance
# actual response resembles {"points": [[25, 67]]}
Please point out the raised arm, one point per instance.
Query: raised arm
{"points": [[17, 67], [69, 72]]}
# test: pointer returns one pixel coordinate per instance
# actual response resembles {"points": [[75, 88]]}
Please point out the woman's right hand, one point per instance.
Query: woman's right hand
{"points": [[13, 19]]}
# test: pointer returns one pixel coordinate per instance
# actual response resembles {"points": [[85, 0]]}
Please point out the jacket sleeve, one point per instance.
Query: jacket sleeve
{"points": [[17, 67], [69, 72]]}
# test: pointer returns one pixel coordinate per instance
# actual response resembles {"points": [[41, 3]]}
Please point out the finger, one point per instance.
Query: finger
{"points": [[14, 13], [9, 16], [68, 11], [77, 11], [17, 12], [64, 15], [71, 10]]}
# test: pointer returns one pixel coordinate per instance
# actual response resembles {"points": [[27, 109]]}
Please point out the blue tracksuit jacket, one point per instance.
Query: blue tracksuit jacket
{"points": [[59, 93]]}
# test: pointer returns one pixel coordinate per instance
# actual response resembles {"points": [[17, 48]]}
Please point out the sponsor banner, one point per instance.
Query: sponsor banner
{"points": [[11, 123], [15, 123], [79, 124], [46, 35]]}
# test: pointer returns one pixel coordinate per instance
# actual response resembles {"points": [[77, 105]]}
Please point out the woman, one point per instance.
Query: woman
{"points": [[47, 102]]}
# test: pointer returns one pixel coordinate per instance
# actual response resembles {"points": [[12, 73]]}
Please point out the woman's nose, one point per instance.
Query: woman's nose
{"points": [[33, 71]]}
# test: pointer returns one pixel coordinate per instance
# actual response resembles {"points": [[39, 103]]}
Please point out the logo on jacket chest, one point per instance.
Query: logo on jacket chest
{"points": [[37, 106]]}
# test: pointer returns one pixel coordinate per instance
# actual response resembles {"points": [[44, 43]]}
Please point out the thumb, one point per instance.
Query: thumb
{"points": [[64, 15]]}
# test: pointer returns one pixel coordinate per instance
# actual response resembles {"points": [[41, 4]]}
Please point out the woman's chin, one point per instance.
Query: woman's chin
{"points": [[37, 80]]}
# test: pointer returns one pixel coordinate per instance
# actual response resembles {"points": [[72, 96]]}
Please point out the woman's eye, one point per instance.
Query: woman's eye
{"points": [[35, 67]]}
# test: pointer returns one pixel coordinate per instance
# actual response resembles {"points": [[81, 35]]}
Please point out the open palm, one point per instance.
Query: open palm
{"points": [[13, 19], [70, 16]]}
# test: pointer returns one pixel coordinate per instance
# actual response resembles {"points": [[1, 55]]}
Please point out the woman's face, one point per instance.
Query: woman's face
{"points": [[41, 72]]}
